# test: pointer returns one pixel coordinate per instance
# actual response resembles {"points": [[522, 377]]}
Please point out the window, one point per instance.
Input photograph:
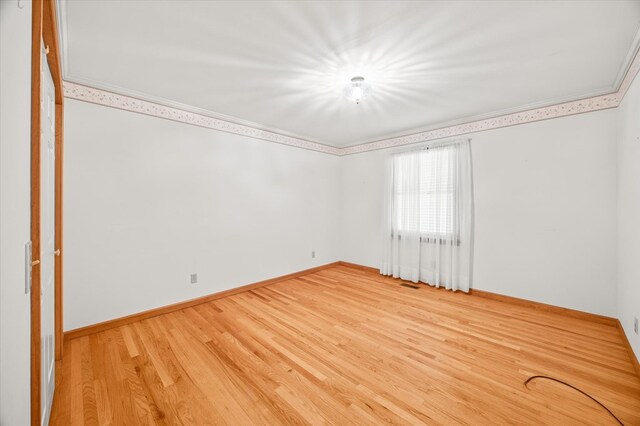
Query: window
{"points": [[424, 192], [429, 215]]}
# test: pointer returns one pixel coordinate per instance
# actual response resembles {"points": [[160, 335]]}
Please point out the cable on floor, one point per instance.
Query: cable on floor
{"points": [[573, 387]]}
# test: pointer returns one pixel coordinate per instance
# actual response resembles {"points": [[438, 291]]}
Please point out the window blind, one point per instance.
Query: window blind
{"points": [[424, 192]]}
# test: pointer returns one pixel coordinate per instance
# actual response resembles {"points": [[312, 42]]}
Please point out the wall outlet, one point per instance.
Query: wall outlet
{"points": [[313, 254], [194, 278], [635, 325]]}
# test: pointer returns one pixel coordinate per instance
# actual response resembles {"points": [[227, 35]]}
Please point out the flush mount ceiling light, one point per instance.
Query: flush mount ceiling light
{"points": [[357, 89]]}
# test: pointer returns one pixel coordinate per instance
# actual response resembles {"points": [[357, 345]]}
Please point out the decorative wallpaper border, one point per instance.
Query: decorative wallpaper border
{"points": [[564, 109], [538, 114], [127, 103]]}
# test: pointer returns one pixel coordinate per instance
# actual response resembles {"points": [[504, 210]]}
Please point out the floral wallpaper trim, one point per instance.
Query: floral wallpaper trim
{"points": [[538, 114], [114, 100]]}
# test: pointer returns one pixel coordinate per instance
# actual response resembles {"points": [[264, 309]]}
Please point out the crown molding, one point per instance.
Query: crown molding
{"points": [[631, 69], [120, 98], [183, 107], [545, 113], [486, 116], [628, 62], [128, 103]]}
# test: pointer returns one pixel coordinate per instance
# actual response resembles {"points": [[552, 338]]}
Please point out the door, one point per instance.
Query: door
{"points": [[47, 232]]}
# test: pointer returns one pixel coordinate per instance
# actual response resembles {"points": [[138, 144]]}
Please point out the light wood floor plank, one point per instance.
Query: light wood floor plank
{"points": [[347, 346]]}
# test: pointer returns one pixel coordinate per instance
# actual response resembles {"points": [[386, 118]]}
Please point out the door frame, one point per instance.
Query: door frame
{"points": [[44, 27]]}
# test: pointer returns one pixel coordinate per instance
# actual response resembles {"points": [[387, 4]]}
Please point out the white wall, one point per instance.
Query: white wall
{"points": [[149, 201], [545, 211], [15, 142], [629, 213]]}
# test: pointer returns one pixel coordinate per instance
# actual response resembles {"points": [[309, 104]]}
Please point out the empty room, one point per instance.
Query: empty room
{"points": [[319, 212]]}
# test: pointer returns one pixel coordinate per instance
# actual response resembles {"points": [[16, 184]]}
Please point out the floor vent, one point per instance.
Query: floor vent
{"points": [[415, 287]]}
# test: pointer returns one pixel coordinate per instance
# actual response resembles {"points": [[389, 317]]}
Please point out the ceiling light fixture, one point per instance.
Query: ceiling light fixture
{"points": [[357, 89]]}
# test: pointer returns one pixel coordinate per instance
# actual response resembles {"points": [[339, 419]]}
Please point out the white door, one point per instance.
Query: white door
{"points": [[47, 236]]}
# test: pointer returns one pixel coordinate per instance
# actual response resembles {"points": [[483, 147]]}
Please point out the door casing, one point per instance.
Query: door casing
{"points": [[44, 27]]}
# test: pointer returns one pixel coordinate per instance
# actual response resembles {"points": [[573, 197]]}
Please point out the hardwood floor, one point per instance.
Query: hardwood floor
{"points": [[349, 347]]}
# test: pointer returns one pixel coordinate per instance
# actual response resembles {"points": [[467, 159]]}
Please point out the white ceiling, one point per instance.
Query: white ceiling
{"points": [[283, 65]]}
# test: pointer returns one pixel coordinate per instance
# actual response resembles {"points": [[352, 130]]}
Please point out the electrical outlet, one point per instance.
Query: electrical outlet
{"points": [[194, 278], [635, 325], [313, 254]]}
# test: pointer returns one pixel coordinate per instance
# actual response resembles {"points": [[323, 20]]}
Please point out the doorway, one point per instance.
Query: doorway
{"points": [[47, 110]]}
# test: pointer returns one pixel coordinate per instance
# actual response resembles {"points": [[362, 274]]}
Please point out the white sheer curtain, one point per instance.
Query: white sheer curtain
{"points": [[429, 214]]}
